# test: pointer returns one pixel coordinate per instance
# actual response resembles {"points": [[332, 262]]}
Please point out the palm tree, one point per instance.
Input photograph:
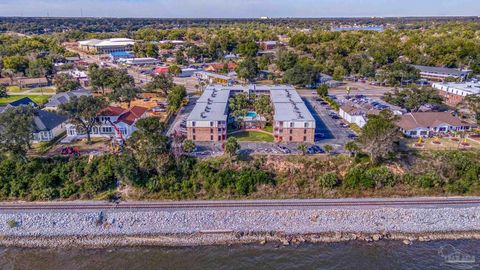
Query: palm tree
{"points": [[351, 147], [328, 148], [303, 148]]}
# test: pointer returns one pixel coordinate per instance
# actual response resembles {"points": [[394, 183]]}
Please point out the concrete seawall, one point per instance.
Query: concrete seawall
{"points": [[218, 226]]}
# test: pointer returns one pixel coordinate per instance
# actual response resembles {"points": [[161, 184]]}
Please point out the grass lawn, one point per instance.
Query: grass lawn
{"points": [[39, 99], [49, 90], [252, 136], [14, 89], [268, 128]]}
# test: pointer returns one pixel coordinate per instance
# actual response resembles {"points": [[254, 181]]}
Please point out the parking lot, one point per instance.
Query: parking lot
{"points": [[179, 124], [330, 128]]}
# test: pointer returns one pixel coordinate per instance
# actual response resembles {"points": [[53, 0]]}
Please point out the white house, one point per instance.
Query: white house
{"points": [[426, 124], [47, 126], [355, 115], [112, 122]]}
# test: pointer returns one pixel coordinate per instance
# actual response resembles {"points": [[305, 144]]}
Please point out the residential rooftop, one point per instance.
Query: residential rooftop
{"points": [[464, 89], [442, 71]]}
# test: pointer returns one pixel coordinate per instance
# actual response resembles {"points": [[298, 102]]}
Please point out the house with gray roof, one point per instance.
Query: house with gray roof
{"points": [[61, 98], [47, 125]]}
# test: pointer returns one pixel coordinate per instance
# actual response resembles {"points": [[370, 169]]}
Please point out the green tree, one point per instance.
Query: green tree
{"points": [[125, 94], [3, 91], [161, 82], [302, 148], [352, 147], [322, 90], [339, 73], [83, 111], [413, 98], [239, 105], [65, 82], [263, 106], [379, 135], [248, 49], [301, 74], [188, 146], [247, 69], [286, 60], [328, 148], [175, 97], [231, 146], [174, 70], [149, 146], [16, 127], [151, 50], [17, 63]]}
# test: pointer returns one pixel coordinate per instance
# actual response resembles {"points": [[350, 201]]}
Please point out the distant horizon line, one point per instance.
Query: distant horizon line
{"points": [[243, 18]]}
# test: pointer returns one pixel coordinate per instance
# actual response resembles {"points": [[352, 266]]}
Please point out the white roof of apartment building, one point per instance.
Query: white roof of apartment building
{"points": [[461, 89], [293, 112], [107, 42], [209, 112], [287, 103], [214, 96]]}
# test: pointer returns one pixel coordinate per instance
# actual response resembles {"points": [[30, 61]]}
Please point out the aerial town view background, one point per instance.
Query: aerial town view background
{"points": [[289, 133], [261, 108]]}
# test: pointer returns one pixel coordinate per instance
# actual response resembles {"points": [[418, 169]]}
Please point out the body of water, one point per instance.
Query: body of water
{"points": [[352, 255]]}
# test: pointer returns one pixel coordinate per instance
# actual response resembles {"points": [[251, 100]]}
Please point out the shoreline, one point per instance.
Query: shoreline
{"points": [[225, 239]]}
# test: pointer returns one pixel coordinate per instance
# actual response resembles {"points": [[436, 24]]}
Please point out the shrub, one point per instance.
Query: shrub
{"points": [[356, 177], [328, 180], [12, 223]]}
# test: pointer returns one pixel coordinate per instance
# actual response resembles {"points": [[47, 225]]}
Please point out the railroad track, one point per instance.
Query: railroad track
{"points": [[427, 202]]}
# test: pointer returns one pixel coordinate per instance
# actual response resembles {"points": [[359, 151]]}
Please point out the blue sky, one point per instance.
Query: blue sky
{"points": [[239, 8]]}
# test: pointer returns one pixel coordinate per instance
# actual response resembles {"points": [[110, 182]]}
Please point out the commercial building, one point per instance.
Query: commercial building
{"points": [[426, 124], [454, 93], [213, 78], [106, 46], [115, 56], [292, 121], [440, 74], [139, 61]]}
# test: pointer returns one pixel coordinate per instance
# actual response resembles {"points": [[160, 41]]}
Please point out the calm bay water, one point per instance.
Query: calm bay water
{"points": [[380, 255]]}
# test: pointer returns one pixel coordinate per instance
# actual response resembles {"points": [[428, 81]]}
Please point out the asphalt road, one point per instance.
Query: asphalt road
{"points": [[415, 202]]}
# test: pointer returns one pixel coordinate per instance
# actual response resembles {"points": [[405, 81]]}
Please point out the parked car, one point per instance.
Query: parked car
{"points": [[283, 149]]}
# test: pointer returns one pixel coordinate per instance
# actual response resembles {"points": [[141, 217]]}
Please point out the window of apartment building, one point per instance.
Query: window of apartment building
{"points": [[193, 123], [211, 124], [211, 137], [304, 131], [304, 138], [291, 131], [193, 130], [305, 125], [290, 138], [211, 130], [291, 124], [194, 137], [219, 137]]}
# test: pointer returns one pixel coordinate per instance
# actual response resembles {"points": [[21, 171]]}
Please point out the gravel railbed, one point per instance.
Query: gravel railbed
{"points": [[293, 221]]}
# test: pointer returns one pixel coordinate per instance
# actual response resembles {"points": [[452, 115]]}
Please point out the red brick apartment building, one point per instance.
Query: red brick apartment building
{"points": [[292, 120]]}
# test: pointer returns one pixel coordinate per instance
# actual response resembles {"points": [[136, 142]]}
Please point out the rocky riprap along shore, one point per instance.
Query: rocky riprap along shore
{"points": [[227, 226]]}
